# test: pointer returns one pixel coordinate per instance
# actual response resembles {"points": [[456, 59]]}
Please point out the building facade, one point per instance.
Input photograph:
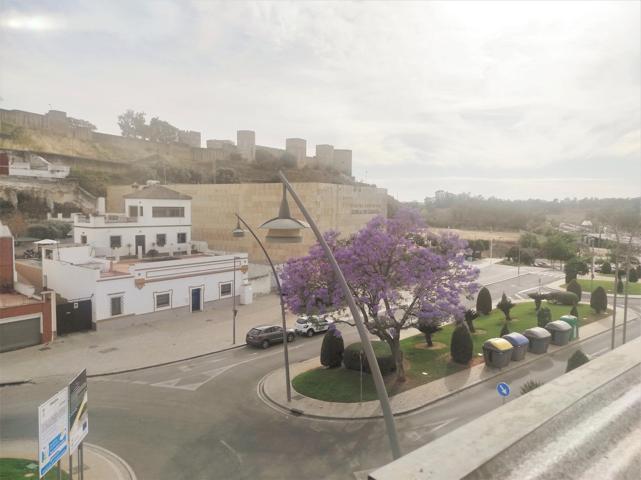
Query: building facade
{"points": [[343, 208], [154, 218]]}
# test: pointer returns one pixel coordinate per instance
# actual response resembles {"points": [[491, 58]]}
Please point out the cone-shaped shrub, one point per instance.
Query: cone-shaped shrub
{"points": [[575, 288], [633, 276], [332, 348], [599, 300], [543, 317], [484, 301], [577, 359], [462, 346]]}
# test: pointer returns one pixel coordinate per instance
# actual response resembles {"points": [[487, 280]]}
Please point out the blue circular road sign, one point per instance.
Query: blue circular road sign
{"points": [[503, 389]]}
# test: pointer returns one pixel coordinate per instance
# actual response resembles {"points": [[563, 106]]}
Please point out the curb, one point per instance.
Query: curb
{"points": [[112, 458], [278, 406], [127, 370]]}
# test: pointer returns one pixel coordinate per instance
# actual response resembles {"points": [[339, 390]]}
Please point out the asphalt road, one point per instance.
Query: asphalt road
{"points": [[202, 419]]}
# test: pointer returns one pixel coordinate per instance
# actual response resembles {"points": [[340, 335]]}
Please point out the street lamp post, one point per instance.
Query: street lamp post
{"points": [[360, 326], [278, 224], [234, 311]]}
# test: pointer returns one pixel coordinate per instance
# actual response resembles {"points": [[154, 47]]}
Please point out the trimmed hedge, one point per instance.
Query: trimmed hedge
{"points": [[384, 358], [484, 301], [543, 317], [577, 359], [599, 300], [332, 348], [462, 345], [563, 298], [575, 288]]}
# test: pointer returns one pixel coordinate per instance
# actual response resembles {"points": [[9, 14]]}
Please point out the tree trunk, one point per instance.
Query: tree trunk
{"points": [[428, 339], [397, 354]]}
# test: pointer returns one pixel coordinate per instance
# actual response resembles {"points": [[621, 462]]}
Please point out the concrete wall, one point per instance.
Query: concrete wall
{"points": [[343, 208], [58, 277]]}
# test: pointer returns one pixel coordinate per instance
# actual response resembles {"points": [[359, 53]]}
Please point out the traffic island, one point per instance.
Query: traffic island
{"points": [[99, 463], [272, 391]]}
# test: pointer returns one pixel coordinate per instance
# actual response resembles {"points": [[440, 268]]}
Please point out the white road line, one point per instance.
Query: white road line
{"points": [[232, 450]]}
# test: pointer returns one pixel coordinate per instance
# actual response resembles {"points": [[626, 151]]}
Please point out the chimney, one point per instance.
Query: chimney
{"points": [[101, 205]]}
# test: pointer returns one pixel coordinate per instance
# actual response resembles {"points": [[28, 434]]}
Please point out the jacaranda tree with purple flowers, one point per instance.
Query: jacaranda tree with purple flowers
{"points": [[399, 274]]}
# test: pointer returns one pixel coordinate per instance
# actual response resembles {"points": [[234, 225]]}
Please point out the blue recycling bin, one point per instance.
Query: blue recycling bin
{"points": [[519, 343]]}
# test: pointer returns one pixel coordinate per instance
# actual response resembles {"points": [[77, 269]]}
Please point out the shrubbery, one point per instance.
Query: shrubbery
{"points": [[529, 386], [332, 348], [563, 298], [543, 316], [505, 330], [577, 359], [505, 305], [606, 268], [484, 301], [538, 298], [50, 229], [461, 346], [599, 300], [470, 316], [352, 359], [633, 276], [575, 288]]}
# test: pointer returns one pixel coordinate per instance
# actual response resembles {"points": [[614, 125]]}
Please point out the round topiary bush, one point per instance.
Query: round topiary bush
{"points": [[332, 348], [461, 346], [352, 357], [633, 276], [599, 300], [606, 268], [484, 301], [575, 288]]}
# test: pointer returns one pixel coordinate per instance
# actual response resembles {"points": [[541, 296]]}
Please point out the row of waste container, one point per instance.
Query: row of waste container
{"points": [[499, 351]]}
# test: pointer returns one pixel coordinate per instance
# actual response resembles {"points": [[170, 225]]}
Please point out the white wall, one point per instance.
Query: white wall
{"points": [[70, 281], [99, 237], [175, 276], [148, 204]]}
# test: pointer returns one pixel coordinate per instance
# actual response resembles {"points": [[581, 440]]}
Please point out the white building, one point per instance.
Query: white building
{"points": [[155, 218], [134, 287], [31, 165], [101, 266]]}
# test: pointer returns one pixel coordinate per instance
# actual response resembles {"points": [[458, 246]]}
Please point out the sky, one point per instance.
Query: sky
{"points": [[507, 99]]}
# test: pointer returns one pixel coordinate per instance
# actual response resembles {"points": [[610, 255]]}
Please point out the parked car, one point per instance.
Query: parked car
{"points": [[266, 335], [312, 324]]}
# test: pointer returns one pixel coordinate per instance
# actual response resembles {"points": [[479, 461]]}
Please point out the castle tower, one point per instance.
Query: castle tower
{"points": [[246, 143], [298, 148], [343, 161], [325, 156]]}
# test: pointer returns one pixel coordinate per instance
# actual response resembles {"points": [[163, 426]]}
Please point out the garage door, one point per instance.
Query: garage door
{"points": [[19, 334]]}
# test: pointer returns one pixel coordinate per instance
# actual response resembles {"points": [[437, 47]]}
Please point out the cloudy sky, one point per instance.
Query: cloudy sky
{"points": [[509, 99]]}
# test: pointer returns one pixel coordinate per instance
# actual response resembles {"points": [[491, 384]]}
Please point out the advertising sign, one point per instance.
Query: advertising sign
{"points": [[52, 431], [78, 414]]}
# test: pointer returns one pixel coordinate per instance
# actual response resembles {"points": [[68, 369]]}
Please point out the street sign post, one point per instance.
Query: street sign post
{"points": [[504, 390], [52, 431], [78, 418]]}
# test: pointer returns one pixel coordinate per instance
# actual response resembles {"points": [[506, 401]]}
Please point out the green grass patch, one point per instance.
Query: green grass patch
{"points": [[424, 365], [16, 469], [589, 286]]}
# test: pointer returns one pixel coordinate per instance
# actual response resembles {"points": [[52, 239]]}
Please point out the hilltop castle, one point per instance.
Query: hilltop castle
{"points": [[187, 147]]}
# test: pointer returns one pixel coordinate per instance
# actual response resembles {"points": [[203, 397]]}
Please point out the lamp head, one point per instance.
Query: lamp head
{"points": [[284, 228]]}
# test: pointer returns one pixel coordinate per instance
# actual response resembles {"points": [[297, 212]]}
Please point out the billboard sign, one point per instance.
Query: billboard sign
{"points": [[78, 414], [52, 431]]}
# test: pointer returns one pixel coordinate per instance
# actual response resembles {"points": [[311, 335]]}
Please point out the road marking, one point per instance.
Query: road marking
{"points": [[232, 450]]}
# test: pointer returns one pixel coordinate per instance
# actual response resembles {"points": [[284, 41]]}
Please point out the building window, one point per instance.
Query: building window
{"points": [[161, 240], [225, 290], [140, 212], [83, 239], [182, 238], [115, 241], [49, 254], [116, 306], [133, 211], [163, 300], [173, 212]]}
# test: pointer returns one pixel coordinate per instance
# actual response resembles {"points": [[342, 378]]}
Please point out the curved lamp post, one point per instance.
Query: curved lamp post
{"points": [[360, 326], [283, 228]]}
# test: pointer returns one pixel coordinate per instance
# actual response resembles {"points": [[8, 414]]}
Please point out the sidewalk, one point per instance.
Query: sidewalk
{"points": [[272, 391], [141, 341], [99, 463]]}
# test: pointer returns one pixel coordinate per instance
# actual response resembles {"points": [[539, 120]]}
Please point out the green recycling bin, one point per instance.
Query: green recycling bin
{"points": [[574, 323]]}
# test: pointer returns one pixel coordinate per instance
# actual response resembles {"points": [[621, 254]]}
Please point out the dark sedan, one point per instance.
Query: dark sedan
{"points": [[266, 335]]}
